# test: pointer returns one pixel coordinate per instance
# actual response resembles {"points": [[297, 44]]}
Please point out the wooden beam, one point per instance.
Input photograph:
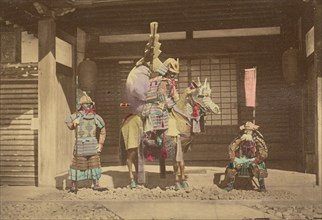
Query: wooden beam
{"points": [[185, 10], [47, 139], [173, 26], [170, 18], [135, 3], [195, 47]]}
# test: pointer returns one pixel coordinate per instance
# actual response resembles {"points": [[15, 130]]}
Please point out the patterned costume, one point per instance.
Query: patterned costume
{"points": [[161, 97], [86, 161], [252, 153]]}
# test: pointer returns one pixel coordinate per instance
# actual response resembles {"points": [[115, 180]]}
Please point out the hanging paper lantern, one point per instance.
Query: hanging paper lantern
{"points": [[291, 66], [87, 74]]}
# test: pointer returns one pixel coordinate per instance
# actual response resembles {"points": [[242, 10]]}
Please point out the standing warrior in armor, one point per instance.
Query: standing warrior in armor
{"points": [[86, 161], [252, 153]]}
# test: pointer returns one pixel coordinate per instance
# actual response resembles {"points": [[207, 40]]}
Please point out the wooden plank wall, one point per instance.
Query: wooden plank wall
{"points": [[18, 141], [274, 110], [108, 96], [210, 148]]}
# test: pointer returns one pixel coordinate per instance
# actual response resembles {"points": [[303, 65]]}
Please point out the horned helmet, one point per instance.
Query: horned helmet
{"points": [[169, 68], [172, 65]]}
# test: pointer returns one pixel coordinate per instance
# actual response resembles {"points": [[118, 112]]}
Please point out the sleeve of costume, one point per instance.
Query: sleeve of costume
{"points": [[262, 149], [234, 145], [141, 87], [69, 121], [100, 124], [99, 121], [70, 118], [175, 95]]}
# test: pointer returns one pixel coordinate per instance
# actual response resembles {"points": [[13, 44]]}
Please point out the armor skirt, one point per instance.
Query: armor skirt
{"points": [[84, 168]]}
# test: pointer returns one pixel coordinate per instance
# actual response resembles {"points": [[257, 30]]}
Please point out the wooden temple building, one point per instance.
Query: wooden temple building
{"points": [[43, 42]]}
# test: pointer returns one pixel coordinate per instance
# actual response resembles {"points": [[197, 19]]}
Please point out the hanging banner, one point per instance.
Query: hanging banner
{"points": [[250, 87]]}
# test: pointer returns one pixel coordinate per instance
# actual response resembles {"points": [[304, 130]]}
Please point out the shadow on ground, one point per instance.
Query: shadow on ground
{"points": [[63, 183], [241, 183], [153, 179], [119, 179]]}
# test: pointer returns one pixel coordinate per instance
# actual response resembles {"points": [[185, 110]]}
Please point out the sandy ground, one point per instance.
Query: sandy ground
{"points": [[290, 195]]}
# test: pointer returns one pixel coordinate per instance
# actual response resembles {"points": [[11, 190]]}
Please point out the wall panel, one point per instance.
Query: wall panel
{"points": [[18, 139]]}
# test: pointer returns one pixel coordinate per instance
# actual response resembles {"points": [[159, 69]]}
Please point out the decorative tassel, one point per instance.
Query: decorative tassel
{"points": [[149, 157], [195, 112]]}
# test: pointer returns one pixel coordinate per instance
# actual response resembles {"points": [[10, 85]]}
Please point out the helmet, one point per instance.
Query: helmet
{"points": [[172, 65], [85, 99], [249, 126]]}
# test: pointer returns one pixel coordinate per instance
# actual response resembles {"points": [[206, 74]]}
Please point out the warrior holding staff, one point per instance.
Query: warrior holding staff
{"points": [[86, 163]]}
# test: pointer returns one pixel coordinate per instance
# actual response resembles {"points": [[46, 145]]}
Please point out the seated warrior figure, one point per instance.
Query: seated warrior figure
{"points": [[252, 153], [161, 97], [86, 163]]}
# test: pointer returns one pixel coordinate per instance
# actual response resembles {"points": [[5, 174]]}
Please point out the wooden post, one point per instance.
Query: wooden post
{"points": [[162, 168], [254, 110], [318, 98], [47, 81]]}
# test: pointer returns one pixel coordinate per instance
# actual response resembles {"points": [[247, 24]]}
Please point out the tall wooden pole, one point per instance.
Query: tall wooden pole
{"points": [[318, 98]]}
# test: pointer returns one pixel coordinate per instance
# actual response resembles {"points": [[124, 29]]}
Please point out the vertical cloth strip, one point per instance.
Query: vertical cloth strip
{"points": [[250, 87]]}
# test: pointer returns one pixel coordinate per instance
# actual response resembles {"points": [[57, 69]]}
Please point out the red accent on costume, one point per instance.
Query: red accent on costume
{"points": [[149, 157], [173, 87], [90, 110], [195, 112], [164, 153]]}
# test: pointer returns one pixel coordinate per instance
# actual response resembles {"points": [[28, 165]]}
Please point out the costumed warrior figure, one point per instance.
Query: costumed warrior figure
{"points": [[86, 163], [161, 97], [252, 153], [137, 86]]}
